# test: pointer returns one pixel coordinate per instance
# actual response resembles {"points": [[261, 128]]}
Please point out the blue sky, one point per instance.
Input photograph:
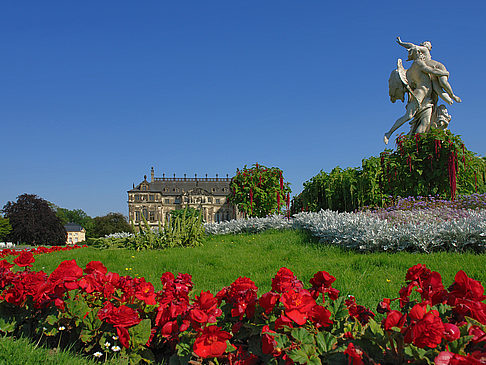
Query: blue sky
{"points": [[94, 93]]}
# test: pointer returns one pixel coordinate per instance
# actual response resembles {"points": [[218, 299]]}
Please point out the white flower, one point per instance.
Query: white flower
{"points": [[107, 344], [116, 348], [115, 337], [62, 328], [44, 329], [97, 354]]}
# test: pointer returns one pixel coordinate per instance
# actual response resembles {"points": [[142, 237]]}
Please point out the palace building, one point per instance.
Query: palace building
{"points": [[155, 199]]}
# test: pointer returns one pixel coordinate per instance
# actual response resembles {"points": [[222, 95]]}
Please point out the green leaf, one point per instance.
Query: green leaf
{"points": [[415, 352], [298, 356], [325, 342], [339, 309], [282, 341], [314, 360], [7, 326], [375, 328], [51, 319], [302, 335], [91, 321], [458, 345], [183, 349], [87, 335], [229, 347], [140, 334]]}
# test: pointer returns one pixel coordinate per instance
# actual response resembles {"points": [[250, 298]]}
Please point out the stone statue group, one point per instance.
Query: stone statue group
{"points": [[424, 82]]}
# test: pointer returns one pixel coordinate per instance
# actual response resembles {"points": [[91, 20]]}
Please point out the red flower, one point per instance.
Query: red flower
{"points": [[451, 332], [320, 316], [205, 309], [384, 306], [466, 288], [14, 296], [211, 342], [145, 292], [123, 336], [4, 264], [25, 259], [321, 283], [394, 319], [449, 358], [282, 321], [285, 280], [361, 313], [432, 290], [67, 273], [242, 295], [242, 357], [417, 312], [297, 305], [268, 300], [355, 355], [269, 345], [95, 266], [322, 279], [428, 331], [478, 333], [119, 317], [417, 272]]}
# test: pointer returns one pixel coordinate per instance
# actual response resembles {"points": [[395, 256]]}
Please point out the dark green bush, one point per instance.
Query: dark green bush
{"points": [[430, 164]]}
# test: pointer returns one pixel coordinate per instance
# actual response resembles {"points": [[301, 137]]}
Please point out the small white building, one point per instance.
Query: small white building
{"points": [[75, 233]]}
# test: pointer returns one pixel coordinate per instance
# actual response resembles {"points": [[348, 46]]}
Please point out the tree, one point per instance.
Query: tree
{"points": [[110, 223], [259, 191], [34, 222], [5, 228], [77, 216]]}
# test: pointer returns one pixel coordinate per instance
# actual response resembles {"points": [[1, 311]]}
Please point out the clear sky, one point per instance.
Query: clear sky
{"points": [[94, 93]]}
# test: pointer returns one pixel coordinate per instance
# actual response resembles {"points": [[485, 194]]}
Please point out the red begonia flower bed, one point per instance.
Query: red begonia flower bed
{"points": [[103, 313]]}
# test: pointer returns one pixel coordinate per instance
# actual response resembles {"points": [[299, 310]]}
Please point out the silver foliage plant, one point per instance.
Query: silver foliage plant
{"points": [[422, 231], [250, 225]]}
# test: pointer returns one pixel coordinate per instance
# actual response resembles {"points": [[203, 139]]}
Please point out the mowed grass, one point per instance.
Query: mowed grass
{"points": [[222, 259], [22, 351]]}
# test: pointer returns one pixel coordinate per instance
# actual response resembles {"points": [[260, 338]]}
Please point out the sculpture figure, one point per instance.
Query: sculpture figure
{"points": [[423, 82]]}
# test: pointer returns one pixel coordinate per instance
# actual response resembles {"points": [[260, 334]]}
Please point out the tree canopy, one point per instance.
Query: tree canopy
{"points": [[5, 228], [77, 216], [34, 222], [110, 223]]}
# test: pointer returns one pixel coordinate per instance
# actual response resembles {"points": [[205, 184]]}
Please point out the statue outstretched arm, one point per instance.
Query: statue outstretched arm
{"points": [[406, 45]]}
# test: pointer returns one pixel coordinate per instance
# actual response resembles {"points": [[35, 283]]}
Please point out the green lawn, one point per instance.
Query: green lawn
{"points": [[23, 351], [222, 259]]}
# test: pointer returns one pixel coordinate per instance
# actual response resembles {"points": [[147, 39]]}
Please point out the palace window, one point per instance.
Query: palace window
{"points": [[137, 197], [167, 201], [210, 200], [151, 197], [218, 201], [151, 216], [177, 200], [137, 216]]}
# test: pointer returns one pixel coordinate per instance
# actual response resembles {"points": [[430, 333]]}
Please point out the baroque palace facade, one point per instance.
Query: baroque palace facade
{"points": [[155, 199]]}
